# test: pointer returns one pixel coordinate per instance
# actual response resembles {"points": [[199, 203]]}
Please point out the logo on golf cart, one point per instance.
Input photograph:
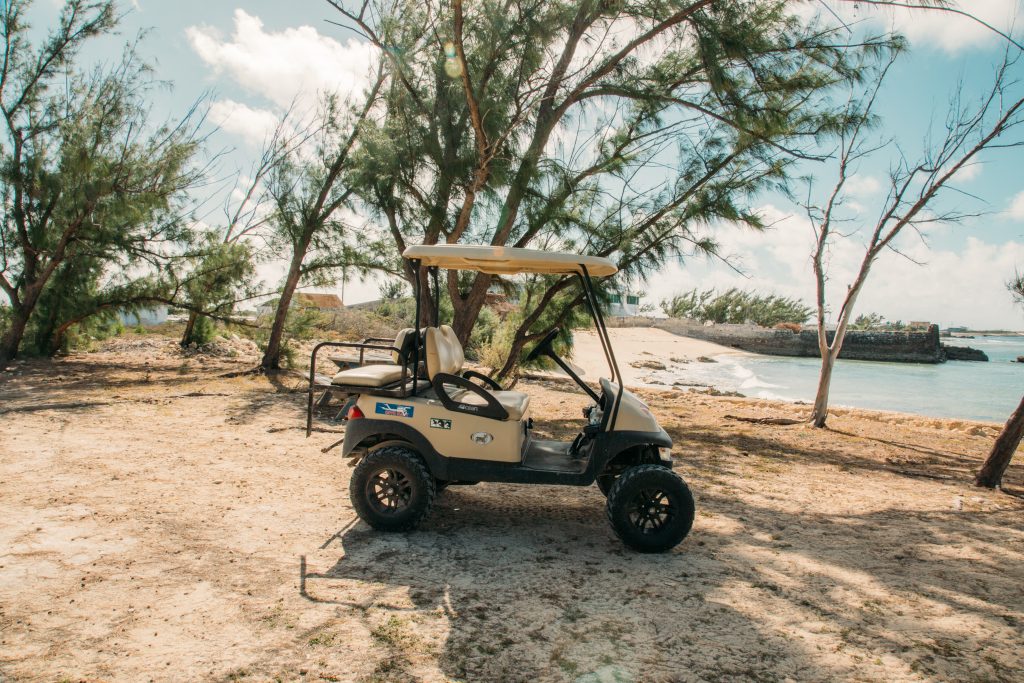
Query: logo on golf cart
{"points": [[396, 409], [482, 438], [438, 423]]}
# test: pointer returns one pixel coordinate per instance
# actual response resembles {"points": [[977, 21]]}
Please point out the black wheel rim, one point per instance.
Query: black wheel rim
{"points": [[389, 491], [651, 511]]}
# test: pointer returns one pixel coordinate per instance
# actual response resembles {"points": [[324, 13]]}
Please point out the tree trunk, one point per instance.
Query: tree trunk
{"points": [[820, 413], [991, 473], [467, 310], [512, 360], [426, 289], [272, 355], [190, 326], [12, 338]]}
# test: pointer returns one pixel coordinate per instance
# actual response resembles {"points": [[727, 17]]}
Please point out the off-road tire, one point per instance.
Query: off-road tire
{"points": [[404, 471], [637, 492]]}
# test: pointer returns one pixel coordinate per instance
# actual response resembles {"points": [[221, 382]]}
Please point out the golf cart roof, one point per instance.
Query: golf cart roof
{"points": [[507, 260]]}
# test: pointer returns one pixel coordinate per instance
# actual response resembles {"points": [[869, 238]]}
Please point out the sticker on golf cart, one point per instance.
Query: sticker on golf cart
{"points": [[482, 438], [396, 409], [438, 423]]}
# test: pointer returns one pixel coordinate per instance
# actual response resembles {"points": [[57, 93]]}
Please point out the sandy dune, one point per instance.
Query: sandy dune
{"points": [[163, 523], [637, 345]]}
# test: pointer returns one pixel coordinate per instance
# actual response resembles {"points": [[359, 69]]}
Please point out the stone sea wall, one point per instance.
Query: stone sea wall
{"points": [[899, 347]]}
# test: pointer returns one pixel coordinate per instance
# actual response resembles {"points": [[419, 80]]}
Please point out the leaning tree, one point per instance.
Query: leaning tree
{"points": [[991, 473]]}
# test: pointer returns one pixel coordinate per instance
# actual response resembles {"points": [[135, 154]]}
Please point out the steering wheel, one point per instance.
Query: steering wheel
{"points": [[543, 346]]}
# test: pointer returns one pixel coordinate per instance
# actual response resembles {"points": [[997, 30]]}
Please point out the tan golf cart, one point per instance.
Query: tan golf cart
{"points": [[416, 421]]}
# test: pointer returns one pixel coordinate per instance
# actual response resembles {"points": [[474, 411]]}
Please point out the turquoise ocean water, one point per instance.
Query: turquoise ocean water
{"points": [[956, 389]]}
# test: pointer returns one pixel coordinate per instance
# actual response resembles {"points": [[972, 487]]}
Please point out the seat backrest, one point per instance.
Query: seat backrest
{"points": [[444, 352], [403, 342]]}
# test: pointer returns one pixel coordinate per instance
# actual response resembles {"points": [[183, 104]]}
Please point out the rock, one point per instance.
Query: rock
{"points": [[648, 364], [1020, 359], [964, 353], [679, 360], [705, 359]]}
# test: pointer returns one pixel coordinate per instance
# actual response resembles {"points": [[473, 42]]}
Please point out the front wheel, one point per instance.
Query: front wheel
{"points": [[650, 508], [391, 489]]}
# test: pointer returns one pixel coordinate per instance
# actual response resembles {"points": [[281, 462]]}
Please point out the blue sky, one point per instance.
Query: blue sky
{"points": [[255, 57]]}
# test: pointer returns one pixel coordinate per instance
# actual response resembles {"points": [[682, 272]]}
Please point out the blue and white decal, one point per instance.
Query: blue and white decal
{"points": [[395, 409]]}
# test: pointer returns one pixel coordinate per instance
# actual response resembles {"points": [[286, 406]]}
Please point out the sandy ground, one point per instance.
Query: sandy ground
{"points": [[161, 522], [637, 348]]}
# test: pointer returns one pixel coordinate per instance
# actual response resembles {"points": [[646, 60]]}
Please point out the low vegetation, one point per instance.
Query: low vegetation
{"points": [[736, 306]]}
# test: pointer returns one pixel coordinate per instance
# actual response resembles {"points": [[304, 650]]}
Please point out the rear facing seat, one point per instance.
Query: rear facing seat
{"points": [[376, 376], [445, 355]]}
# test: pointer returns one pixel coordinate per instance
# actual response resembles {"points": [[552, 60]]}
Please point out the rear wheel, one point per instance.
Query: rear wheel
{"points": [[650, 508], [391, 489]]}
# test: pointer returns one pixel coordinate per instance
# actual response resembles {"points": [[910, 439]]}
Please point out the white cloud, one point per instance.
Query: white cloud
{"points": [[254, 125], [282, 66], [929, 27], [963, 286], [1016, 209], [862, 185], [968, 172]]}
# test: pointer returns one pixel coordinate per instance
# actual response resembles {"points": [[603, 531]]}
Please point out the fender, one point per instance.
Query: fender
{"points": [[357, 432], [607, 445]]}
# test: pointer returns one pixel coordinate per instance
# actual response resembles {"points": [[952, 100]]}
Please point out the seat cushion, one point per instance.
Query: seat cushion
{"points": [[369, 376], [516, 403]]}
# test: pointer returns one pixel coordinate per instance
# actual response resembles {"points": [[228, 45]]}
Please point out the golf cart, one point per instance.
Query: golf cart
{"points": [[418, 422]]}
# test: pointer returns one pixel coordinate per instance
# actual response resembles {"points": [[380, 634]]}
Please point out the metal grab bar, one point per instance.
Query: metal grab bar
{"points": [[362, 346]]}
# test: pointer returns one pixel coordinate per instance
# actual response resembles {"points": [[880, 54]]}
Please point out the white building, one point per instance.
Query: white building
{"points": [[618, 309], [147, 317]]}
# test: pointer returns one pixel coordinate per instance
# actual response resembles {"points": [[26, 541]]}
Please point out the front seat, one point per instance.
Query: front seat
{"points": [[445, 357]]}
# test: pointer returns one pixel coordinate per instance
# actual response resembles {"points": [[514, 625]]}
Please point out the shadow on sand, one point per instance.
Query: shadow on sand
{"points": [[529, 583]]}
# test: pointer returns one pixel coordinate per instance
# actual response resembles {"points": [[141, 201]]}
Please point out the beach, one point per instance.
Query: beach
{"points": [[639, 351], [955, 390], [165, 519]]}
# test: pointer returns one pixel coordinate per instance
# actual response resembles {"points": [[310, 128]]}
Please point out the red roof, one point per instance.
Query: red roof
{"points": [[321, 301]]}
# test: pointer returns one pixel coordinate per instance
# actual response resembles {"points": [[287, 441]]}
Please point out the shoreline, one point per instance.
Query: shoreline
{"points": [[751, 375]]}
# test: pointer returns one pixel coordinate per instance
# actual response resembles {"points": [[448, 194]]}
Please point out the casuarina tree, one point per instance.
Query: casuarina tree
{"points": [[617, 128], [88, 184]]}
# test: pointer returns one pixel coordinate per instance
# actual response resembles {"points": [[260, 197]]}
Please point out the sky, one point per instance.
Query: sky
{"points": [[253, 59]]}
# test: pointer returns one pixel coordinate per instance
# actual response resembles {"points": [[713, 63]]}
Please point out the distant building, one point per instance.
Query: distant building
{"points": [[147, 317], [918, 326], [324, 303], [618, 309]]}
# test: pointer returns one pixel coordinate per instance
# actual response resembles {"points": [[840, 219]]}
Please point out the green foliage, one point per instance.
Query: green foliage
{"points": [[218, 272], [390, 290], [868, 321], [736, 306], [483, 337], [203, 331], [303, 323], [83, 336], [93, 191], [537, 155]]}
